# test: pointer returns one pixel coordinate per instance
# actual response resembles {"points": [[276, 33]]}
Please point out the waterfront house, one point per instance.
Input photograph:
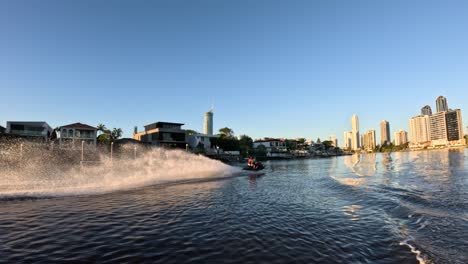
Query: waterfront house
{"points": [[204, 140], [34, 131], [73, 135], [275, 147], [163, 134]]}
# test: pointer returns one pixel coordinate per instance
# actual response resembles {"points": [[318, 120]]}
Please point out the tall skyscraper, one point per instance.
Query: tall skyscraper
{"points": [[355, 130], [369, 141], [208, 124], [348, 140], [453, 120], [420, 131], [441, 104], [426, 110], [438, 128], [385, 133], [401, 137], [334, 141]]}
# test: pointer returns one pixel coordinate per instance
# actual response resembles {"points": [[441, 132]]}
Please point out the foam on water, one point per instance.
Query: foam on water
{"points": [[36, 178], [415, 251]]}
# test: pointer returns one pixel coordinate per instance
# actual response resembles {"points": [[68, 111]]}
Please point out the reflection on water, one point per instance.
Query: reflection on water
{"points": [[360, 167], [352, 211], [434, 167]]}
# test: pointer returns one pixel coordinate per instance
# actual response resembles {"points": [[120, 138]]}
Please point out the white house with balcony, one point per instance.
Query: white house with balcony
{"points": [[204, 140], [275, 147], [31, 130], [72, 136]]}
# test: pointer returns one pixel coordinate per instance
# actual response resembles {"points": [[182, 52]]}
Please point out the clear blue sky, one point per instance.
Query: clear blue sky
{"points": [[272, 68]]}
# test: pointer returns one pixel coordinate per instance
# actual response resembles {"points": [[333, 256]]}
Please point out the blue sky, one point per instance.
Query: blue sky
{"points": [[272, 68]]}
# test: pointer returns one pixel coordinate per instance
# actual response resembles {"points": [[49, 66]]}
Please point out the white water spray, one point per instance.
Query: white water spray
{"points": [[36, 178]]}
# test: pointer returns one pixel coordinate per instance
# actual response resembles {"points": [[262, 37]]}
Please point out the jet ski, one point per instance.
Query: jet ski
{"points": [[258, 167]]}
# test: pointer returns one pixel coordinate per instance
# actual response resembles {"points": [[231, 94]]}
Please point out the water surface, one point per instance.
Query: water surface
{"points": [[375, 208]]}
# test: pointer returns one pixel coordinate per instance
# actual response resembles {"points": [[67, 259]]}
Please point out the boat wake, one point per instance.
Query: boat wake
{"points": [[415, 251], [38, 179]]}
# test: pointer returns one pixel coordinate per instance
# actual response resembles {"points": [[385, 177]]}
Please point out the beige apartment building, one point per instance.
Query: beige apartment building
{"points": [[369, 140], [420, 131], [401, 137]]}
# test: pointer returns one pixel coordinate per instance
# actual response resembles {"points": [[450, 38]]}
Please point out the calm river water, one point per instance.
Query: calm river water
{"points": [[374, 208]]}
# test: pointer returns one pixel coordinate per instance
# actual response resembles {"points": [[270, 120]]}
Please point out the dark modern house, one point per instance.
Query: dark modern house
{"points": [[163, 134], [34, 131]]}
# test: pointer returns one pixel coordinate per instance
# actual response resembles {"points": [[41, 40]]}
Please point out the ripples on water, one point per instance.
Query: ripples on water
{"points": [[384, 208]]}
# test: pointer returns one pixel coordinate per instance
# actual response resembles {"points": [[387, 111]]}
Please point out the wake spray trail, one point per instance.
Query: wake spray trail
{"points": [[37, 178]]}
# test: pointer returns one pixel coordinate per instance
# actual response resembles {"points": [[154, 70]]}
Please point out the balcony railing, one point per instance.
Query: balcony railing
{"points": [[28, 133], [80, 137]]}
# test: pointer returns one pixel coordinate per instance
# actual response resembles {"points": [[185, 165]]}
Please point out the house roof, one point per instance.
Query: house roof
{"points": [[79, 125], [27, 122], [165, 123], [30, 123], [159, 124]]}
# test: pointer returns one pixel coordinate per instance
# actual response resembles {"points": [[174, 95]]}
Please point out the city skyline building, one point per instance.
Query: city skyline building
{"points": [[355, 130], [385, 133], [426, 110], [419, 129], [208, 123], [401, 137], [454, 123], [369, 140], [438, 128], [348, 140], [443, 128], [334, 141], [441, 104]]}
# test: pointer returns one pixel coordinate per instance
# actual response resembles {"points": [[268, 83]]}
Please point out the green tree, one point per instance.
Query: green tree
{"points": [[107, 136], [226, 132], [260, 152], [101, 128], [327, 144], [228, 143], [245, 145], [116, 134], [291, 144], [301, 140], [104, 138]]}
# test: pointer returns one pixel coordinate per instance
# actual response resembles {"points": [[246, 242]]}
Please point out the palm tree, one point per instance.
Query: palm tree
{"points": [[116, 134], [101, 127]]}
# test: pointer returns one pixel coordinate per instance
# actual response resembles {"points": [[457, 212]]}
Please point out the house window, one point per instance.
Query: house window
{"points": [[70, 133]]}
